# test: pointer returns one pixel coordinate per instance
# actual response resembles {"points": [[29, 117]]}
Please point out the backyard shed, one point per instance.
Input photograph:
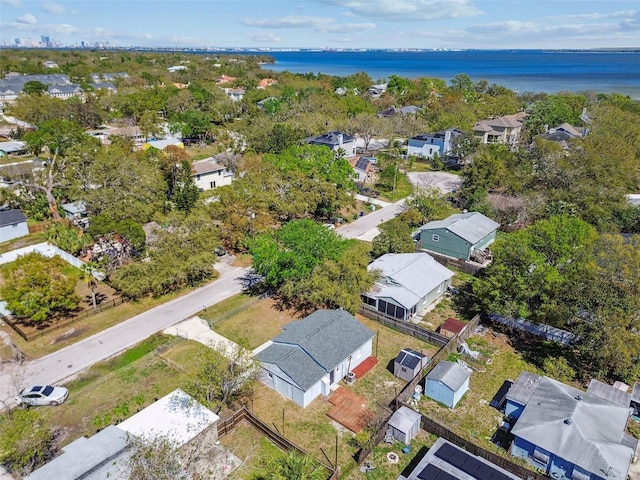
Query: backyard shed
{"points": [[452, 327], [409, 363], [447, 383], [404, 424], [13, 224]]}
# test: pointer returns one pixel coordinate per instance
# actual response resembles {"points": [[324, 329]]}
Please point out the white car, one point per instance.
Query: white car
{"points": [[42, 395]]}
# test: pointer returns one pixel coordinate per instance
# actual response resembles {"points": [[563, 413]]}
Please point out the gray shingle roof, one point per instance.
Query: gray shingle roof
{"points": [[408, 277], [11, 217], [615, 395], [579, 427], [471, 226], [449, 373], [309, 348], [331, 139]]}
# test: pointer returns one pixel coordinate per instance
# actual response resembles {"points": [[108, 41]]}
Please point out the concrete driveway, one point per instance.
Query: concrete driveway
{"points": [[197, 329], [443, 181]]}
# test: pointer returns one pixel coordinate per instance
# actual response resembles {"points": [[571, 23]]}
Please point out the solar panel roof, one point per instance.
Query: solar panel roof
{"points": [[431, 472], [468, 464]]}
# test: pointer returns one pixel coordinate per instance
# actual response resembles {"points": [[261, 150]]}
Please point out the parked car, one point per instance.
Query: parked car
{"points": [[42, 395]]}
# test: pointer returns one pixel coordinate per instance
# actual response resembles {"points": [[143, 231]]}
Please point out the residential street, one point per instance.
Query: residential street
{"points": [[71, 360], [366, 228]]}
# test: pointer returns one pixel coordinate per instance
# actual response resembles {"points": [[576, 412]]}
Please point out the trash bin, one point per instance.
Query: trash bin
{"points": [[362, 213]]}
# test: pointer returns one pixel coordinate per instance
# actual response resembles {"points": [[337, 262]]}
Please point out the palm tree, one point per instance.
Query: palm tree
{"points": [[88, 270]]}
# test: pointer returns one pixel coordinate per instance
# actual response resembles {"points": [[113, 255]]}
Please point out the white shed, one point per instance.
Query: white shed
{"points": [[404, 424]]}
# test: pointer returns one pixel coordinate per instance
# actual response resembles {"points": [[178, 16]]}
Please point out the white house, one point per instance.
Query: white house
{"points": [[312, 354], [13, 224], [335, 141], [409, 283], [209, 174], [428, 145]]}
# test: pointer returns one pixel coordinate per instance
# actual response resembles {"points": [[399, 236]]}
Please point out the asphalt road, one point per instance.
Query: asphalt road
{"points": [[366, 228], [71, 360]]}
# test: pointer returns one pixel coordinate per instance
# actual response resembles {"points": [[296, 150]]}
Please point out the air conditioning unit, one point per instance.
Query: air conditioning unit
{"points": [[350, 378]]}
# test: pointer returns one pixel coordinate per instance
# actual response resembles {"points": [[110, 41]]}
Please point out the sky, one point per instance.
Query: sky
{"points": [[333, 24]]}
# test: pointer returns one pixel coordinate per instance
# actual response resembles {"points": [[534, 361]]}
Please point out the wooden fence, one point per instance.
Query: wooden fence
{"points": [[405, 327], [58, 324], [462, 265], [230, 423], [235, 311]]}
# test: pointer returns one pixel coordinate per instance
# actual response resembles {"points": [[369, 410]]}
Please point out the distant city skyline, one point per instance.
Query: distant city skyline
{"points": [[331, 24]]}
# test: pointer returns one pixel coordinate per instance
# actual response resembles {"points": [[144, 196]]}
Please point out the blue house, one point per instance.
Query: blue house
{"points": [[569, 433], [447, 383], [429, 145]]}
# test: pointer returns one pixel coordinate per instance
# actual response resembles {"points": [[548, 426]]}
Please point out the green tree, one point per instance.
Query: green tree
{"points": [[34, 87], [26, 440], [534, 271], [291, 253], [431, 205], [185, 193], [58, 136], [155, 458], [222, 374], [36, 288], [394, 237]]}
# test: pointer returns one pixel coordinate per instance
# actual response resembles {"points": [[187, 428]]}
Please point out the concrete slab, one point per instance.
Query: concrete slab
{"points": [[196, 328]]}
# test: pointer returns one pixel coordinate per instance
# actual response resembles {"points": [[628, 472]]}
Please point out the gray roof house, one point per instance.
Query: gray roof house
{"points": [[409, 283], [176, 416], [567, 432], [461, 235], [336, 140], [312, 354], [13, 224], [447, 383]]}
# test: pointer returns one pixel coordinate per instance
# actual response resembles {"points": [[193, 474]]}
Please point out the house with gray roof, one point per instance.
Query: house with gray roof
{"points": [[447, 383], [105, 455], [13, 224], [461, 235], [335, 141], [408, 284], [569, 433], [312, 354]]}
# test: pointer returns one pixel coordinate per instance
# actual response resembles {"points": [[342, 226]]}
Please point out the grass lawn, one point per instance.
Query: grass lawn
{"points": [[473, 418]]}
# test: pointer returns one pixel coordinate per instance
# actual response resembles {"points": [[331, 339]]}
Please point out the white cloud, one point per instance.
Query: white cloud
{"points": [[287, 22], [407, 10], [11, 3], [27, 18], [53, 7], [263, 37], [348, 27], [597, 16], [510, 26]]}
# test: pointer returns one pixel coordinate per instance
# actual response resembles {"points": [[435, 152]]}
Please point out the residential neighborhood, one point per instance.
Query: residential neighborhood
{"points": [[229, 272]]}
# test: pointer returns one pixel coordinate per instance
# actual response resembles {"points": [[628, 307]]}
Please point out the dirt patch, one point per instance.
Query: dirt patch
{"points": [[71, 333], [443, 181]]}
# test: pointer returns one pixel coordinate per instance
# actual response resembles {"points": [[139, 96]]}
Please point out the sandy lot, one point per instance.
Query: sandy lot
{"points": [[443, 181]]}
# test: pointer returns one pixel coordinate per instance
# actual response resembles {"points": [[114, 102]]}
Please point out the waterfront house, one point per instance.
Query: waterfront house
{"points": [[505, 129]]}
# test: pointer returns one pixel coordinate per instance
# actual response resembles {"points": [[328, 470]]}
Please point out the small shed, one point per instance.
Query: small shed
{"points": [[447, 383], [452, 327], [404, 424], [409, 363]]}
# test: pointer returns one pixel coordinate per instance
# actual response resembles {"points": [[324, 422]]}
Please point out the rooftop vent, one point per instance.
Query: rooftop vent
{"points": [[568, 421]]}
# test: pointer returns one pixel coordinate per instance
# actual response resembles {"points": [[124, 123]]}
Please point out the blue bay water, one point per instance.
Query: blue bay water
{"points": [[521, 70]]}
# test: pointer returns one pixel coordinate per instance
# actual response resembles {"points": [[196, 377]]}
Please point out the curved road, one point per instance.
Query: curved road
{"points": [[73, 359]]}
